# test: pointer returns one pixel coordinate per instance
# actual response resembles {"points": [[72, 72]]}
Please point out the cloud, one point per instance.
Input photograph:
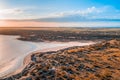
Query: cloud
{"points": [[16, 13], [89, 14], [90, 17], [11, 11], [59, 24], [84, 12]]}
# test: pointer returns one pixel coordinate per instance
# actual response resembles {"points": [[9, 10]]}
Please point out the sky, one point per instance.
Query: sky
{"points": [[60, 13]]}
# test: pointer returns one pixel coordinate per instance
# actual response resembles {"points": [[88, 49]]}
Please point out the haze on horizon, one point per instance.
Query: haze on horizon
{"points": [[59, 13]]}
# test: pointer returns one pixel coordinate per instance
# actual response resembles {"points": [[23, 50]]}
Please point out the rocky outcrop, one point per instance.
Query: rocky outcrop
{"points": [[95, 62]]}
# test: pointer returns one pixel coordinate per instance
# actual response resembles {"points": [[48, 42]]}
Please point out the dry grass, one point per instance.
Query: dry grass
{"points": [[96, 62]]}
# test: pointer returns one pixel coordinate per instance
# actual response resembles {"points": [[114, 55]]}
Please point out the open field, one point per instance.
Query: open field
{"points": [[62, 34]]}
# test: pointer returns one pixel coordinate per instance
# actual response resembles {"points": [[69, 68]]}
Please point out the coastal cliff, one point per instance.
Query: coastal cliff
{"points": [[94, 62]]}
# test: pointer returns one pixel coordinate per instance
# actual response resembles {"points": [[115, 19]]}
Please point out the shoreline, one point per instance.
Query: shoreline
{"points": [[27, 58], [58, 64]]}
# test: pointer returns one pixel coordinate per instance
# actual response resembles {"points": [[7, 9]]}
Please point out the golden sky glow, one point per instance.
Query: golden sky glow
{"points": [[27, 24], [50, 13]]}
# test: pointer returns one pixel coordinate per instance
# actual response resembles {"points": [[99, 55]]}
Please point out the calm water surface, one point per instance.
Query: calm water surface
{"points": [[13, 51]]}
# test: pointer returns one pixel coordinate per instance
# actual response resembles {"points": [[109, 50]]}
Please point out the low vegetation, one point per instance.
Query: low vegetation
{"points": [[62, 34], [95, 62]]}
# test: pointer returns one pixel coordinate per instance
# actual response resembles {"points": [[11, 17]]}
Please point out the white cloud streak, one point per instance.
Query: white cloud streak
{"points": [[84, 12], [28, 13], [11, 11]]}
